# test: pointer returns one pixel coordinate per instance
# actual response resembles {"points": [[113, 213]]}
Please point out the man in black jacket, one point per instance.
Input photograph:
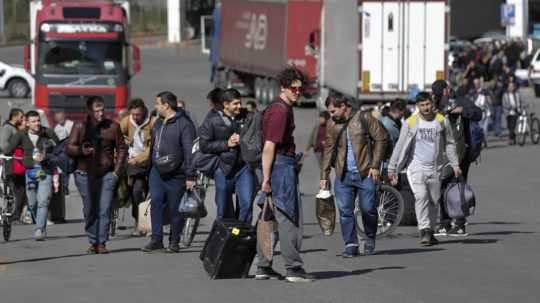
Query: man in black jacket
{"points": [[171, 170], [460, 112], [219, 135]]}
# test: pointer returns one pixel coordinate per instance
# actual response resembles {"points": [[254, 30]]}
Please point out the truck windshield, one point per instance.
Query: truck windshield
{"points": [[81, 57]]}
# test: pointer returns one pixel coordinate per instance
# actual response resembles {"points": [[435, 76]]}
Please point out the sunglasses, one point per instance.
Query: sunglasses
{"points": [[295, 90]]}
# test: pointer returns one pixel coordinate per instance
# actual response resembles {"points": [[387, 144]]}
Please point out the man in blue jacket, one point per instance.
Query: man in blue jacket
{"points": [[171, 170]]}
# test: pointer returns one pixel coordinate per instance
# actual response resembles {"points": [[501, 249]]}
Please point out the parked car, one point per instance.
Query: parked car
{"points": [[17, 81], [533, 73]]}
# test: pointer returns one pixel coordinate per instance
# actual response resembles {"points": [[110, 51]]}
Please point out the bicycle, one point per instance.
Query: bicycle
{"points": [[8, 200], [192, 223], [524, 128]]}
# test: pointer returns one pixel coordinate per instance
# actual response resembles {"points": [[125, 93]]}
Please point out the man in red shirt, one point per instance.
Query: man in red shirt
{"points": [[281, 178]]}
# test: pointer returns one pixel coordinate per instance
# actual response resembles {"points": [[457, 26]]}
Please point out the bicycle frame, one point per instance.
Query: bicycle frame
{"points": [[523, 123]]}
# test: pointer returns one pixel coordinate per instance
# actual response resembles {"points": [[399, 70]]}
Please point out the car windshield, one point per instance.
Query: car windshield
{"points": [[81, 57]]}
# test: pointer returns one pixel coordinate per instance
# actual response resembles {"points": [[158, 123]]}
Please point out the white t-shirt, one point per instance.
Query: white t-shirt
{"points": [[424, 147], [63, 131]]}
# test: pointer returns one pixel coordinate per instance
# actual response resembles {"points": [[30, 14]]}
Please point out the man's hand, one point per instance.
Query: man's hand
{"points": [[457, 172], [457, 110], [87, 151], [234, 140], [374, 174], [393, 178], [39, 158], [323, 184], [132, 161], [190, 184], [266, 187]]}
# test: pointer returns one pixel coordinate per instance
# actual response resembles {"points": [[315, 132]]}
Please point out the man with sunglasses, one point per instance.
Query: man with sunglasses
{"points": [[280, 178]]}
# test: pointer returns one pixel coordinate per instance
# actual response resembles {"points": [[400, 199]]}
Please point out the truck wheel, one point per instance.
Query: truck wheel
{"points": [[537, 90], [265, 89], [273, 90], [257, 88], [18, 88]]}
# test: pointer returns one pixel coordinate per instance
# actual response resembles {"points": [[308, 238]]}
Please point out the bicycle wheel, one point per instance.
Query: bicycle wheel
{"points": [[6, 228], [190, 229], [390, 210], [535, 130]]}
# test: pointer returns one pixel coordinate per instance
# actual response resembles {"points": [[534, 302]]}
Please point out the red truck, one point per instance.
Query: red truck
{"points": [[258, 38], [78, 49]]}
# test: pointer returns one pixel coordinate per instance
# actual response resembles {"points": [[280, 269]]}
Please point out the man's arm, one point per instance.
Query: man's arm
{"points": [[268, 154], [4, 140], [73, 149], [326, 165], [121, 152], [188, 136], [450, 145], [207, 142], [378, 134]]}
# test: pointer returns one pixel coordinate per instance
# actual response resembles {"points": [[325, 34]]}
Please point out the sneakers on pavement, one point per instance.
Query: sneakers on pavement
{"points": [[266, 273], [369, 247], [153, 247], [350, 252], [298, 275], [442, 230], [173, 248], [91, 250], [425, 237], [39, 235], [457, 231], [101, 249]]}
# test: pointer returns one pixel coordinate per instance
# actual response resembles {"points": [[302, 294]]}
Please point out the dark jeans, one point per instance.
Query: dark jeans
{"points": [[18, 186], [497, 111], [347, 189], [166, 194], [448, 176], [138, 189], [97, 194], [243, 184], [511, 121]]}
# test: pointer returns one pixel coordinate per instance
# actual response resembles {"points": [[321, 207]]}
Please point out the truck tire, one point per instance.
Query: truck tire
{"points": [[265, 89], [537, 90], [273, 91], [258, 90], [18, 88]]}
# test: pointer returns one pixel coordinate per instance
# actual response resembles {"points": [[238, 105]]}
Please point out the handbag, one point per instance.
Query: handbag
{"points": [[168, 164], [266, 226], [144, 222], [459, 199], [326, 212], [191, 206], [207, 164]]}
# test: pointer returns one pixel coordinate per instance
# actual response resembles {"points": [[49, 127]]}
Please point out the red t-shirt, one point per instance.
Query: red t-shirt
{"points": [[278, 127]]}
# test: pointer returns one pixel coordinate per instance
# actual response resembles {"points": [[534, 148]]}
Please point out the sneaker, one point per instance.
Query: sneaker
{"points": [[432, 239], [91, 250], [298, 275], [173, 248], [49, 222], [101, 249], [350, 252], [442, 230], [369, 247], [425, 237], [39, 235], [266, 273], [457, 231], [27, 219], [153, 246]]}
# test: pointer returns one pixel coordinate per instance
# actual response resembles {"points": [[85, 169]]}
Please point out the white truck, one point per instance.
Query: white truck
{"points": [[375, 51]]}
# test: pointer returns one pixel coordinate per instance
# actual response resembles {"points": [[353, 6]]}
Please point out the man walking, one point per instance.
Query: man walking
{"points": [[171, 169], [16, 181], [280, 178], [318, 136], [357, 161], [100, 150], [136, 129], [37, 143], [219, 135], [425, 144]]}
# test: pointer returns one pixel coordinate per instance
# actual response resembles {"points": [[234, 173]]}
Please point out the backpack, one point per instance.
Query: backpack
{"points": [[17, 166], [459, 199], [476, 140], [59, 158]]}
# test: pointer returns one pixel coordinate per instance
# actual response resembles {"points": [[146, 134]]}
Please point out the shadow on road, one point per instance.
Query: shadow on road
{"points": [[471, 241], [308, 251], [495, 223], [323, 275], [502, 233], [113, 251], [406, 251]]}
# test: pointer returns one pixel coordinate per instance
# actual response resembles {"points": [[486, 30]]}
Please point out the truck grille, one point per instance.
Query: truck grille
{"points": [[72, 103]]}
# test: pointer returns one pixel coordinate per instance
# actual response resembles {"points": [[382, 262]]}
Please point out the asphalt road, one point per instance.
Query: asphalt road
{"points": [[497, 263]]}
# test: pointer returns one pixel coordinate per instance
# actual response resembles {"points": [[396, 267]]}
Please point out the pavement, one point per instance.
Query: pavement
{"points": [[498, 262]]}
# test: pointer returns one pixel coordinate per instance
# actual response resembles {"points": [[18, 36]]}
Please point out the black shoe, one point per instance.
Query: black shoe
{"points": [[442, 230], [350, 252], [153, 246], [265, 273], [432, 239], [425, 237], [173, 248], [298, 275], [457, 231], [369, 247]]}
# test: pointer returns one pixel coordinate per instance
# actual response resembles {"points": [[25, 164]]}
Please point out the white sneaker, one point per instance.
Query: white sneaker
{"points": [[49, 222], [39, 235]]}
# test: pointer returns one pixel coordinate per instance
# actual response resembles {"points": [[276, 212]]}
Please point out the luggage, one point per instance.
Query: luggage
{"points": [[459, 199], [229, 249], [57, 204], [326, 212], [191, 206]]}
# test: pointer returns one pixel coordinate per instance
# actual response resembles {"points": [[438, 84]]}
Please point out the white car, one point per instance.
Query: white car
{"points": [[533, 73], [17, 81]]}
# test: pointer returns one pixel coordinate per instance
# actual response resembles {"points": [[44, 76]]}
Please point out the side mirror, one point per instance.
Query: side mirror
{"points": [[27, 58], [136, 51]]}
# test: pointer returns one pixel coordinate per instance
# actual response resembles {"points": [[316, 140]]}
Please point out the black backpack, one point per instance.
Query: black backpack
{"points": [[59, 158]]}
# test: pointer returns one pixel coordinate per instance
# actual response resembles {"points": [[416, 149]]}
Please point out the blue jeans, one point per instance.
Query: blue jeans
{"points": [[97, 194], [38, 193], [243, 184], [497, 119], [347, 189], [165, 196]]}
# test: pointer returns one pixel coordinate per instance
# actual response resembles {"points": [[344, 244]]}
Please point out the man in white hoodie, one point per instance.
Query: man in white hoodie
{"points": [[137, 128]]}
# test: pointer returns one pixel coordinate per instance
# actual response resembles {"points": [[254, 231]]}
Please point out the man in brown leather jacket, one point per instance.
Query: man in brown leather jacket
{"points": [[356, 154], [100, 150]]}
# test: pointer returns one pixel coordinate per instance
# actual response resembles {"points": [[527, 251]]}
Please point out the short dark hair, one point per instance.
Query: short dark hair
{"points": [[423, 96], [229, 95], [438, 87], [32, 113], [215, 96], [169, 98], [287, 76], [252, 103], [398, 105], [90, 101], [15, 112], [325, 115], [137, 103], [337, 100]]}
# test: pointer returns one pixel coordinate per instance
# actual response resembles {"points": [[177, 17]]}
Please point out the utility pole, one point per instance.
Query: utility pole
{"points": [[2, 22]]}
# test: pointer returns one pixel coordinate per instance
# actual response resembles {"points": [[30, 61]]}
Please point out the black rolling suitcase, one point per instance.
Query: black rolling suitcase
{"points": [[57, 205], [229, 249]]}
